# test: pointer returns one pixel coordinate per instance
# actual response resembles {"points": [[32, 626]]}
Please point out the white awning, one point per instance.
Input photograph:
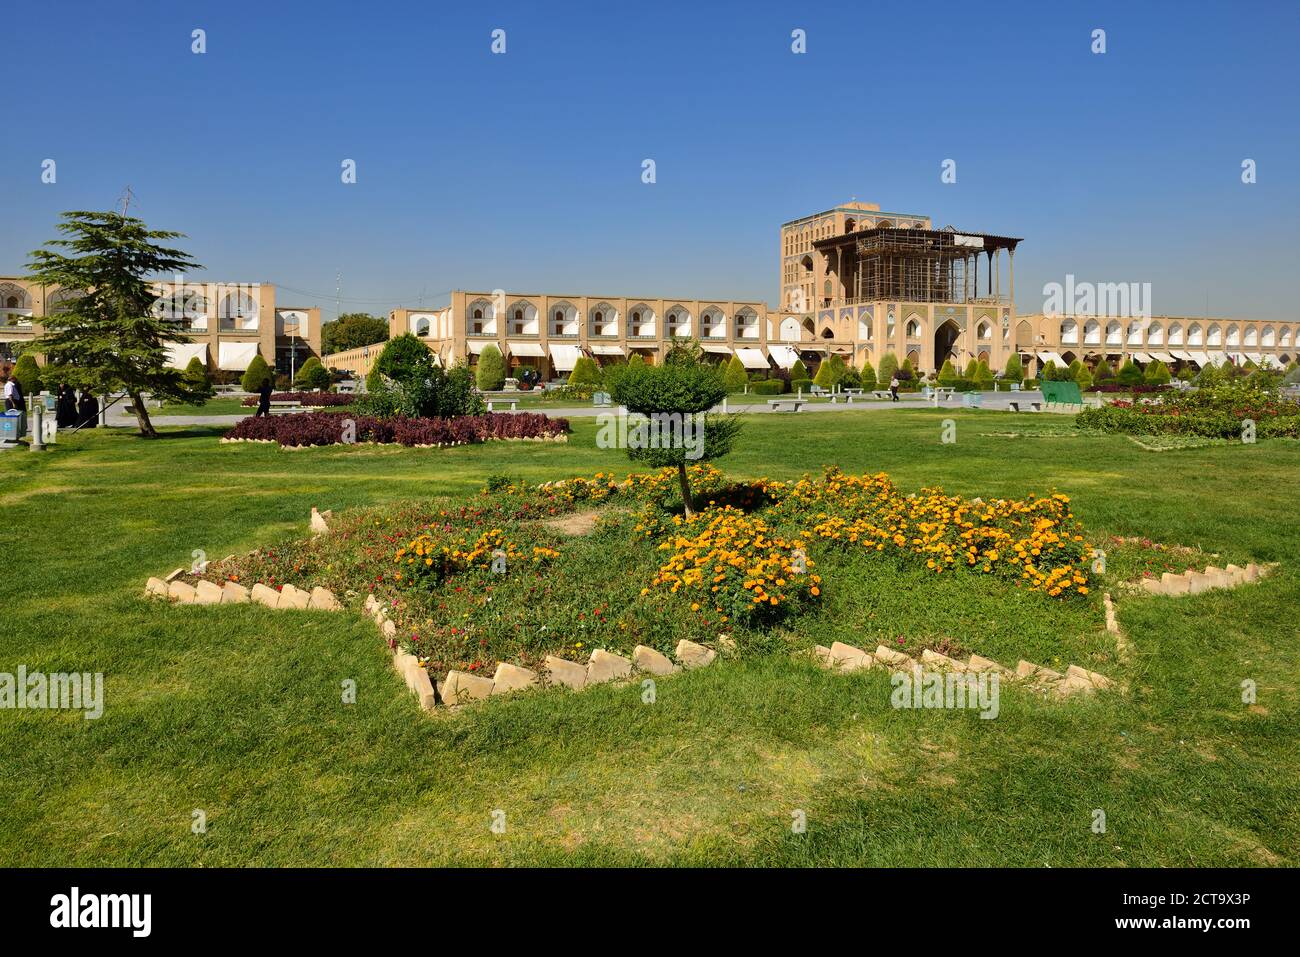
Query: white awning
{"points": [[235, 356], [476, 346], [179, 354], [1052, 357], [1254, 357], [1162, 356], [752, 358], [1185, 356], [565, 357], [715, 347], [785, 356], [604, 350], [1139, 357], [1202, 359], [531, 349]]}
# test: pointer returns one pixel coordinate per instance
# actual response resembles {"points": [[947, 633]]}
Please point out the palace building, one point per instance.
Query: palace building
{"points": [[227, 323]]}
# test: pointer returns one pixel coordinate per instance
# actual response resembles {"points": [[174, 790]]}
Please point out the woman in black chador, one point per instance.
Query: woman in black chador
{"points": [[88, 411], [65, 407]]}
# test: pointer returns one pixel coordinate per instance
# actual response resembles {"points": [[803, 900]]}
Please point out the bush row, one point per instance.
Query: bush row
{"points": [[307, 398], [324, 428]]}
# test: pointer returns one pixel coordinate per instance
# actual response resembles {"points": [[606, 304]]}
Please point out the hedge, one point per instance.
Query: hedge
{"points": [[326, 428]]}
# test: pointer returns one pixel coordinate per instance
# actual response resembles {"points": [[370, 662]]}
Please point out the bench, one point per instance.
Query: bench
{"points": [[1015, 404], [817, 390], [881, 394], [857, 393], [600, 399], [779, 405], [514, 404], [943, 393], [286, 407]]}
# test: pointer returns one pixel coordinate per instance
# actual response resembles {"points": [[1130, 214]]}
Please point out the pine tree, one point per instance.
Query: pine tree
{"points": [[971, 368], [1102, 372], [585, 372], [107, 338], [1015, 369], [888, 366], [984, 376], [256, 373], [868, 376], [825, 377], [1157, 373], [197, 381], [798, 370], [28, 374], [734, 377], [947, 375], [1129, 374]]}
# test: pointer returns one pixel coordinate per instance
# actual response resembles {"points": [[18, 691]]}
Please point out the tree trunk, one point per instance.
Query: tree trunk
{"points": [[686, 488], [142, 416]]}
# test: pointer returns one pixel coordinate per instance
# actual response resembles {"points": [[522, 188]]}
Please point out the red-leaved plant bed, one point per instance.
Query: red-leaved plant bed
{"points": [[325, 428], [307, 398]]}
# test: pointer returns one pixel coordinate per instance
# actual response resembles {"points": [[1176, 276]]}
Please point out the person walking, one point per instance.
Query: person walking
{"points": [[13, 391], [65, 407], [893, 388], [88, 411], [264, 398]]}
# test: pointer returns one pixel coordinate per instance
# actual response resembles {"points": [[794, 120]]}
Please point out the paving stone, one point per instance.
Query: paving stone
{"points": [[567, 673], [512, 678], [156, 586], [936, 660], [180, 592], [693, 655], [1174, 584], [654, 662], [1219, 578], [265, 595], [460, 688], [207, 593], [293, 597], [848, 658], [605, 666], [233, 593], [324, 600]]}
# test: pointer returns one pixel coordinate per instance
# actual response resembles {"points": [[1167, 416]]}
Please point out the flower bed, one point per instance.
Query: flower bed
{"points": [[325, 428], [1218, 412], [306, 398]]}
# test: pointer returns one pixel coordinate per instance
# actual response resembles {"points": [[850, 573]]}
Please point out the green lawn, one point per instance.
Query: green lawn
{"points": [[238, 712], [218, 406]]}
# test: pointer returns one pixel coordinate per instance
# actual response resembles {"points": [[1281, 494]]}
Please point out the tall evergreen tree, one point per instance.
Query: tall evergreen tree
{"points": [[106, 337]]}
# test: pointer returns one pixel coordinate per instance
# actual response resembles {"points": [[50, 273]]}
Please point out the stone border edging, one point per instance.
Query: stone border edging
{"points": [[842, 657], [232, 593], [1192, 582]]}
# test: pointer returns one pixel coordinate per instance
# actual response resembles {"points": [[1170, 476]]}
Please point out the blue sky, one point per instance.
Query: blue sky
{"points": [[523, 170]]}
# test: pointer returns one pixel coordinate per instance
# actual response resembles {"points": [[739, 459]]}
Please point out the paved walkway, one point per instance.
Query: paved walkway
{"points": [[996, 401]]}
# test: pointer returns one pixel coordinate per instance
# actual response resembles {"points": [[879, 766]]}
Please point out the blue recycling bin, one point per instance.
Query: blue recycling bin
{"points": [[971, 400], [13, 426]]}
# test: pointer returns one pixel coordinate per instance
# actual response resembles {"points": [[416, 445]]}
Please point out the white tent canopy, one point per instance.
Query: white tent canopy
{"points": [[604, 350], [1046, 356], [752, 358], [235, 356], [476, 346], [179, 354], [565, 357], [785, 356], [1139, 357], [714, 347], [1179, 354], [530, 349], [1162, 356]]}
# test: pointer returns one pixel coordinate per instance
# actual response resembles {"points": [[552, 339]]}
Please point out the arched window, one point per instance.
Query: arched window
{"points": [[478, 313], [913, 329], [1069, 331]]}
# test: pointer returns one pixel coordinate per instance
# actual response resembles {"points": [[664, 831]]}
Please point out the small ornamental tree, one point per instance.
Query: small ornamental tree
{"points": [[947, 375], [585, 372], [402, 358], [971, 368], [491, 372], [1083, 377], [1129, 374], [28, 374], [735, 378], [197, 381], [1074, 368], [868, 375], [798, 370], [825, 377], [1103, 372], [256, 373], [677, 396], [1048, 372], [1014, 369], [983, 376], [108, 336], [312, 375], [888, 366]]}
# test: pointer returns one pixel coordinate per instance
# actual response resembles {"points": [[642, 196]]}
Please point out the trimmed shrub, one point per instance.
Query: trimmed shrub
{"points": [[984, 377], [196, 381], [1103, 372], [256, 373], [868, 376], [491, 371], [972, 368], [1015, 369], [799, 371], [585, 372], [767, 387], [1157, 373], [28, 374], [1129, 374], [315, 399], [312, 375], [804, 384], [326, 428], [947, 375], [402, 358], [888, 366], [825, 377], [734, 377]]}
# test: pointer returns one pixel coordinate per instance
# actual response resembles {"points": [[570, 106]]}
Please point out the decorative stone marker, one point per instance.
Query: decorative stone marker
{"points": [[647, 659], [693, 655], [605, 666], [567, 673]]}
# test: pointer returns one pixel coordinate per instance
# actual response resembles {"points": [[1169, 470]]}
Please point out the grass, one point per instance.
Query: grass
{"points": [[238, 712]]}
